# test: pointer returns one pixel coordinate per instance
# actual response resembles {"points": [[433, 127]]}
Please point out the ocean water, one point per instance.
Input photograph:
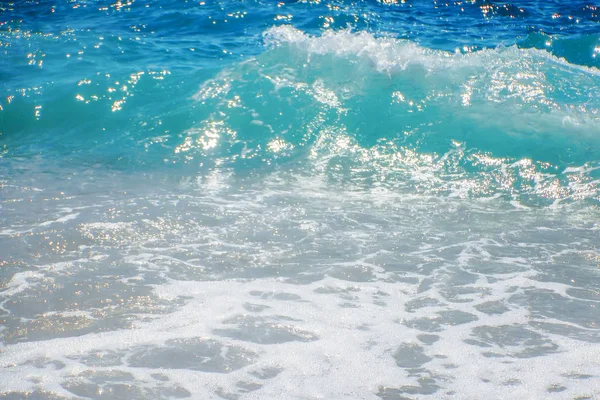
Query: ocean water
{"points": [[252, 199]]}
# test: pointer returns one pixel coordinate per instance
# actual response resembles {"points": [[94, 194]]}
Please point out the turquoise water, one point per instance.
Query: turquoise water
{"points": [[299, 199]]}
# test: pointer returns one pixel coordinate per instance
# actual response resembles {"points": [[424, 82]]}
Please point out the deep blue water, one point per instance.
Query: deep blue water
{"points": [[299, 199]]}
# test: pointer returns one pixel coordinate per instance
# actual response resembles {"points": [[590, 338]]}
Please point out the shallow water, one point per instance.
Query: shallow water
{"points": [[299, 200]]}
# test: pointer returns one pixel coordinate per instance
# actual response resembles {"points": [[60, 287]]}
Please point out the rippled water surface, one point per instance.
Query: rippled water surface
{"points": [[299, 199]]}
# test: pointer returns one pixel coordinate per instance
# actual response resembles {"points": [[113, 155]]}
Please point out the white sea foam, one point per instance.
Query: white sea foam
{"points": [[323, 342], [389, 54], [293, 285], [61, 220]]}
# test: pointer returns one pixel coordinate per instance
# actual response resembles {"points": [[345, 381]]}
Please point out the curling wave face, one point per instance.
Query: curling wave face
{"points": [[508, 122]]}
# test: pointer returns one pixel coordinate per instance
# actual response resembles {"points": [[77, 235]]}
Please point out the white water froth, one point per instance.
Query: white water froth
{"points": [[292, 286], [337, 340], [389, 54]]}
